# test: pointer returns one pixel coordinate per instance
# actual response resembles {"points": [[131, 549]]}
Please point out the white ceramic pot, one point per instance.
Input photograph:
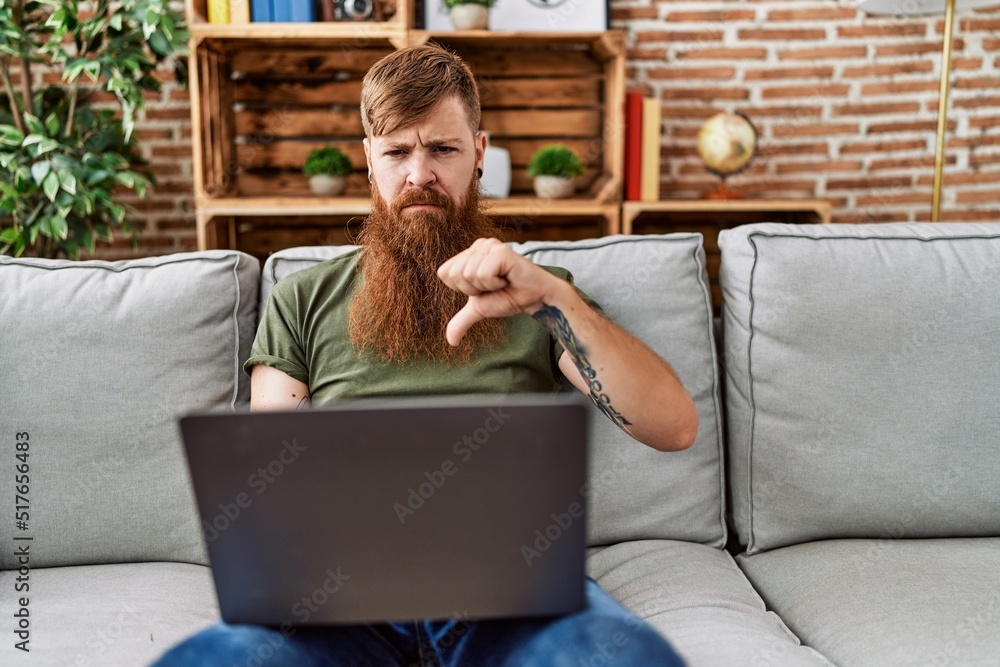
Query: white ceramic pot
{"points": [[321, 184], [470, 17], [495, 183], [554, 187]]}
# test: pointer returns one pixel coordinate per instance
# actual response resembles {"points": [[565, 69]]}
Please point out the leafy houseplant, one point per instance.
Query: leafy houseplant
{"points": [[469, 14], [554, 168], [64, 154], [327, 169]]}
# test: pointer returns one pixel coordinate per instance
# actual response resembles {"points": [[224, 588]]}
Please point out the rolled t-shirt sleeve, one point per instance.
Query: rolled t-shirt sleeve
{"points": [[279, 337]]}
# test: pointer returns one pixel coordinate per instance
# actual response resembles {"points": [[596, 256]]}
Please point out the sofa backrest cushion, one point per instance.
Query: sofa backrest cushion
{"points": [[861, 380], [655, 287], [97, 361]]}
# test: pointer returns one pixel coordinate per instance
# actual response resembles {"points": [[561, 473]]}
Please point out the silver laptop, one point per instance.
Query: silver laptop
{"points": [[388, 510]]}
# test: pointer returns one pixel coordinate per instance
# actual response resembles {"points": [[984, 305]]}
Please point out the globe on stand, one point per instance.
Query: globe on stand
{"points": [[726, 144]]}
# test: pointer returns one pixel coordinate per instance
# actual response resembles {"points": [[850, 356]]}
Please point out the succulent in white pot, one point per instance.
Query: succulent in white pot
{"points": [[327, 169], [555, 169], [469, 14]]}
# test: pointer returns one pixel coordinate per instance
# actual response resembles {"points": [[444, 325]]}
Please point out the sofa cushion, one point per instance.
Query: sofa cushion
{"points": [[97, 360], [655, 287], [861, 380], [122, 614], [877, 602], [701, 602]]}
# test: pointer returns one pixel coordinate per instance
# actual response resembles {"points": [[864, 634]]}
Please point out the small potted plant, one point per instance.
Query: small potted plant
{"points": [[555, 168], [327, 169], [469, 14]]}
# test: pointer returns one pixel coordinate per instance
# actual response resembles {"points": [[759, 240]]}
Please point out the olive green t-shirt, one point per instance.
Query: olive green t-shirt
{"points": [[304, 334]]}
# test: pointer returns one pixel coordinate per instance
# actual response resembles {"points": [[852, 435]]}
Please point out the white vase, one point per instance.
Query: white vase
{"points": [[321, 184], [470, 17], [495, 183], [554, 187]]}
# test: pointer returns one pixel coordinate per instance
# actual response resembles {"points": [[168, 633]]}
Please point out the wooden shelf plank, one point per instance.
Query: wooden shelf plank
{"points": [[344, 30]]}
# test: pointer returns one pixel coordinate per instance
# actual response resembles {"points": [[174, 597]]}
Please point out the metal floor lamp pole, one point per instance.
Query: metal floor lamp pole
{"points": [[942, 125]]}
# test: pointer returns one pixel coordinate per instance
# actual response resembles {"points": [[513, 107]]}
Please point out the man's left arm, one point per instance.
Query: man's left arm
{"points": [[627, 380]]}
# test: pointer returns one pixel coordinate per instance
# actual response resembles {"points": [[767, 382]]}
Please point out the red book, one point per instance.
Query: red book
{"points": [[633, 146]]}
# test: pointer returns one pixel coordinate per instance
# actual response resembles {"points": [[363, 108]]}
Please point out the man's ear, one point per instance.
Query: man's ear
{"points": [[480, 144], [368, 153]]}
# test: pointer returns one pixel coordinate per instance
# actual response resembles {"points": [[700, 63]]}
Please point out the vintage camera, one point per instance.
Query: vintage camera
{"points": [[353, 10]]}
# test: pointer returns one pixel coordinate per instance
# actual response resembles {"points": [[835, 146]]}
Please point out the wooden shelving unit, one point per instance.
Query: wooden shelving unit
{"points": [[264, 95], [710, 216]]}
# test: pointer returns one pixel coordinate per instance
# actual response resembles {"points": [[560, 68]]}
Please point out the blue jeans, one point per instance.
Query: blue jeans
{"points": [[602, 634]]}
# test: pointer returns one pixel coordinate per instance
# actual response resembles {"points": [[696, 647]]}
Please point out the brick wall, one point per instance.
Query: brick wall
{"points": [[846, 106]]}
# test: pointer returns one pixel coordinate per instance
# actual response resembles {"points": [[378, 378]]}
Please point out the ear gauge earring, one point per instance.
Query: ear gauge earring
{"points": [[369, 178], [479, 172]]}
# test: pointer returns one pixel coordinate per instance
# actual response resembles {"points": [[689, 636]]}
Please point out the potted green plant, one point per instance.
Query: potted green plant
{"points": [[327, 169], [64, 160], [555, 168], [469, 14]]}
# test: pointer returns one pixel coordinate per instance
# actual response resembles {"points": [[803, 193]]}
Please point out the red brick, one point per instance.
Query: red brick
{"points": [[883, 146], [896, 87], [811, 14], [721, 16], [818, 167], [959, 64], [882, 71], [893, 198], [624, 13], [920, 162], [983, 159], [979, 196], [989, 83], [687, 112], [975, 25], [915, 49], [778, 149], [691, 73], [982, 123], [775, 34], [881, 30], [772, 73], [988, 177], [672, 36], [728, 93], [876, 109], [824, 53], [811, 91], [783, 111], [991, 44], [907, 126], [646, 54], [991, 215], [972, 102], [975, 142], [869, 183], [175, 150], [174, 113], [723, 53], [814, 130]]}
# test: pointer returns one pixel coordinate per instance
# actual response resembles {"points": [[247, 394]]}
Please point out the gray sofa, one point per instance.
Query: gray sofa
{"points": [[841, 505]]}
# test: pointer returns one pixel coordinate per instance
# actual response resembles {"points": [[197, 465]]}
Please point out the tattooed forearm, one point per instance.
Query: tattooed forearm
{"points": [[553, 319]]}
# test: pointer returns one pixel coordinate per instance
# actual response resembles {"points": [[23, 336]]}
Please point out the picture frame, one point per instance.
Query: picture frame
{"points": [[530, 16]]}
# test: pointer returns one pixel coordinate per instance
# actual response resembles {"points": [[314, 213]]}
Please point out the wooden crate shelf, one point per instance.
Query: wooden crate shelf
{"points": [[264, 95]]}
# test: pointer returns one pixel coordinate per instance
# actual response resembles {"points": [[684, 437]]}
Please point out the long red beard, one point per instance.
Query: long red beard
{"points": [[402, 309]]}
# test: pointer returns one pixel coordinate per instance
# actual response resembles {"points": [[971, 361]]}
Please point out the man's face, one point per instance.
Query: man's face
{"points": [[439, 153]]}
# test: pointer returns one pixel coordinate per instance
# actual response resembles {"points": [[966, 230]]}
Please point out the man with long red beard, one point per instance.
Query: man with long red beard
{"points": [[434, 303]]}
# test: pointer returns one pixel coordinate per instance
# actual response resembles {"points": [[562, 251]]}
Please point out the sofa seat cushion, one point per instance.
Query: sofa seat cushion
{"points": [[699, 600], [885, 602], [121, 614]]}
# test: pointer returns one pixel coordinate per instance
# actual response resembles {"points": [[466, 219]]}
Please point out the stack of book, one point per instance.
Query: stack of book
{"points": [[245, 11], [642, 148]]}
